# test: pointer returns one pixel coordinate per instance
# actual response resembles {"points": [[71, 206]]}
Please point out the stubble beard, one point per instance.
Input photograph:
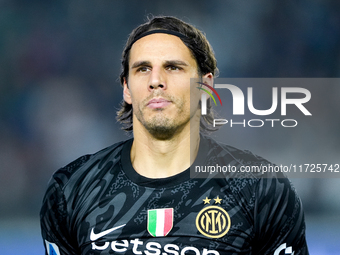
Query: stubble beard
{"points": [[160, 126]]}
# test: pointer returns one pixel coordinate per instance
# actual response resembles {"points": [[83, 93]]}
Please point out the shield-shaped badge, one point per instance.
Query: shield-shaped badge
{"points": [[160, 221]]}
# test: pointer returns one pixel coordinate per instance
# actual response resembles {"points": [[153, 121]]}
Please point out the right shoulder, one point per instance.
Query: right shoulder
{"points": [[88, 163]]}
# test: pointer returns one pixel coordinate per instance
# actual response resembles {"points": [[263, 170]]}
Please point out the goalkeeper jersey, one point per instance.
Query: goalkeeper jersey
{"points": [[99, 204]]}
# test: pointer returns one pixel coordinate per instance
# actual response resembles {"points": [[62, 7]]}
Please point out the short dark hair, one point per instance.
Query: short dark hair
{"points": [[198, 45]]}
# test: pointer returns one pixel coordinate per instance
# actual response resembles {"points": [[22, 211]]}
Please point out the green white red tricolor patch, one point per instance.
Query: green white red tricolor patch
{"points": [[160, 221]]}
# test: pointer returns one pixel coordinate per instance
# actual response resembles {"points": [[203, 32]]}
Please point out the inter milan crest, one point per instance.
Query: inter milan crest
{"points": [[160, 221], [213, 221]]}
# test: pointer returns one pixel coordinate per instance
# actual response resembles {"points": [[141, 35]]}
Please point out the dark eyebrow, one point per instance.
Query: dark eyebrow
{"points": [[168, 62], [141, 63], [176, 63]]}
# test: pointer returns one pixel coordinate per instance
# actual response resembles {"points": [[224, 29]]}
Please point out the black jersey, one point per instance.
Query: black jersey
{"points": [[99, 204]]}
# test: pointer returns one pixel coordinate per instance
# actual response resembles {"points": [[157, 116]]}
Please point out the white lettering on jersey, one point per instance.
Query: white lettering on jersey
{"points": [[151, 248]]}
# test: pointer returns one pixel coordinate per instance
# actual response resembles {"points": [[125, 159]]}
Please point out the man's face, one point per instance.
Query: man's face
{"points": [[158, 86]]}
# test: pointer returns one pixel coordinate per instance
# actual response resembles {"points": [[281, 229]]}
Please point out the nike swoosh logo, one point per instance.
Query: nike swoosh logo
{"points": [[94, 236]]}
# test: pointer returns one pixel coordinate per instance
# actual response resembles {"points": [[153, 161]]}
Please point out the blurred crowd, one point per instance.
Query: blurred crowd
{"points": [[59, 89]]}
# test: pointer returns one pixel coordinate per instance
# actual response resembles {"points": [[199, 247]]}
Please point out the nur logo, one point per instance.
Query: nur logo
{"points": [[204, 97], [160, 221]]}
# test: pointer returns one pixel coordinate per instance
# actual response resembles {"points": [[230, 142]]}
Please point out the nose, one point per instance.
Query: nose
{"points": [[157, 79]]}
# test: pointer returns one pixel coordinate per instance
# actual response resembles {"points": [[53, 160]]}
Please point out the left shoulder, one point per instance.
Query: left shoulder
{"points": [[244, 157], [247, 163]]}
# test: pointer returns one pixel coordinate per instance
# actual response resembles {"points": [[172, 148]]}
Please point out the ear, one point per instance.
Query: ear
{"points": [[208, 79], [126, 92]]}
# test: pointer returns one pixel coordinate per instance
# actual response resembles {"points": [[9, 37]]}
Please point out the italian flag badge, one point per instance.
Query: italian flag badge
{"points": [[160, 221]]}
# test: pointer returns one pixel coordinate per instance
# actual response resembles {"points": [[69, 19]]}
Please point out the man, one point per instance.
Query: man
{"points": [[137, 197]]}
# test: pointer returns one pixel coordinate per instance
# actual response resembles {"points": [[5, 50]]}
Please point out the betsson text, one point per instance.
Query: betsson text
{"points": [[151, 248]]}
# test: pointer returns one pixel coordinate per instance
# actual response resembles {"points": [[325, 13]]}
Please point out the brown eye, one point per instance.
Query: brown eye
{"points": [[173, 68], [143, 69]]}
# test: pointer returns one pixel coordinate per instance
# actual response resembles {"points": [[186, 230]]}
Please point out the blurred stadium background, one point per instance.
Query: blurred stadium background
{"points": [[59, 91]]}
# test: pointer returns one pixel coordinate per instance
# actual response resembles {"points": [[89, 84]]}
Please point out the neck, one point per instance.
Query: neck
{"points": [[154, 158]]}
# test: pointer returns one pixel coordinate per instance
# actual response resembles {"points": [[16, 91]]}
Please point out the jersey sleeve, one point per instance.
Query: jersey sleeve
{"points": [[279, 219], [54, 222]]}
